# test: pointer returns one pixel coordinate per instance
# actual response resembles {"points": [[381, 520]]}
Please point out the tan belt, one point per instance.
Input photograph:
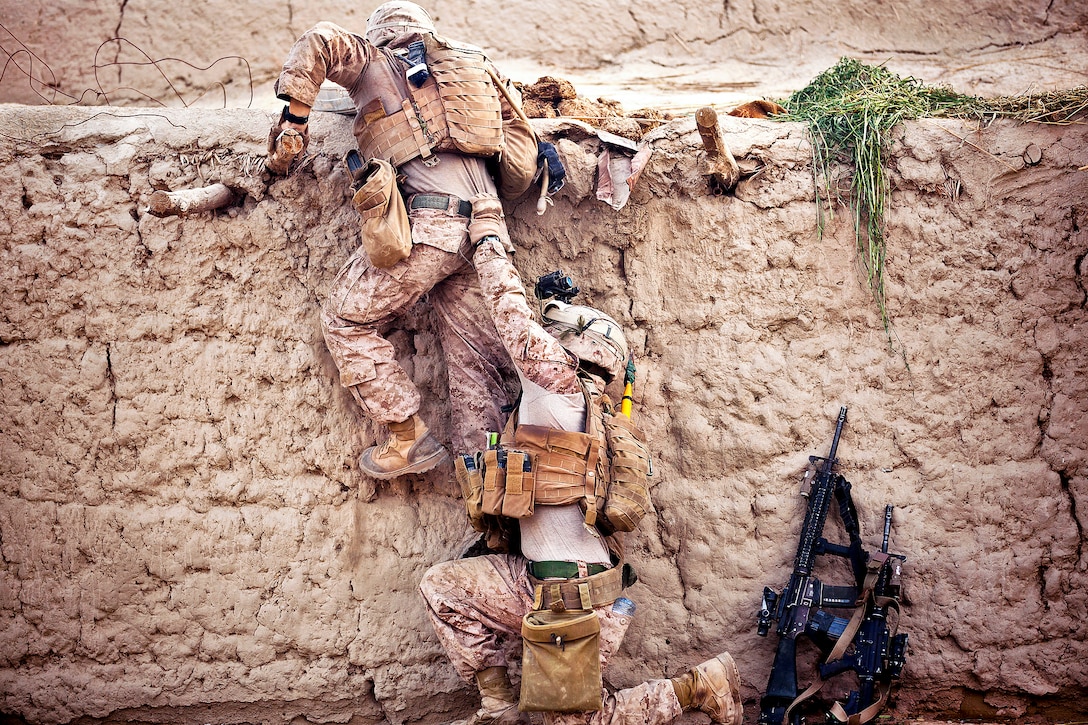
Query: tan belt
{"points": [[582, 593]]}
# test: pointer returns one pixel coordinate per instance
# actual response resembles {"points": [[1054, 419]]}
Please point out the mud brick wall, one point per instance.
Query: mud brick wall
{"points": [[183, 535]]}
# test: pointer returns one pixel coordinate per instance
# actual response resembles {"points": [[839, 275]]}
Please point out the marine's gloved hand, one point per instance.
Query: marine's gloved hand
{"points": [[546, 154], [286, 141], [487, 220]]}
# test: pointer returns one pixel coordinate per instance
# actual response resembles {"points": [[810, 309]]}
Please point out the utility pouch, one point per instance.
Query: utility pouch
{"points": [[387, 235], [561, 661], [468, 475], [628, 499]]}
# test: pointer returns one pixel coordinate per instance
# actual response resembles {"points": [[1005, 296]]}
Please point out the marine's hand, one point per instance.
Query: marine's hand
{"points": [[488, 220], [287, 140]]}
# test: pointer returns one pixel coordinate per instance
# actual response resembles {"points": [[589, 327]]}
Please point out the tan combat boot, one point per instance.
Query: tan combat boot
{"points": [[498, 704], [410, 448], [714, 688]]}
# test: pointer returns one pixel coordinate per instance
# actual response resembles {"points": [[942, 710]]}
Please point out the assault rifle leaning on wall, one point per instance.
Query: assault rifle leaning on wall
{"points": [[863, 643]]}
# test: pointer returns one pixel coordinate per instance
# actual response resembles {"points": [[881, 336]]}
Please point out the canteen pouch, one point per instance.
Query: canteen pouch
{"points": [[387, 235], [518, 161], [561, 661], [468, 475]]}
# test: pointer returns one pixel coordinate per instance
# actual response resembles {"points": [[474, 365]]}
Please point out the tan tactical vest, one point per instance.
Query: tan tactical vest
{"points": [[606, 469], [456, 109]]}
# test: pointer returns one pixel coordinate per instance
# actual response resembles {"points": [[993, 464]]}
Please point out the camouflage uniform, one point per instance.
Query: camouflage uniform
{"points": [[364, 299], [537, 355], [476, 606]]}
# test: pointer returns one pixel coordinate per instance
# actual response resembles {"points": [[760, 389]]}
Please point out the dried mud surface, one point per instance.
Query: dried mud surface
{"points": [[184, 537]]}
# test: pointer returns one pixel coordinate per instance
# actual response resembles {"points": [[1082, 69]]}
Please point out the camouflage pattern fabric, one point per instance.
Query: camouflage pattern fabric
{"points": [[476, 606], [536, 354], [364, 300]]}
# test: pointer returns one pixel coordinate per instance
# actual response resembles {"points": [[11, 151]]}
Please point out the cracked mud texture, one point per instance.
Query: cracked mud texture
{"points": [[183, 535]]}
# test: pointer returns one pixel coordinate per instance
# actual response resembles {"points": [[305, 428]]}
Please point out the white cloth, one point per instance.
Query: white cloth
{"points": [[550, 410], [559, 533]]}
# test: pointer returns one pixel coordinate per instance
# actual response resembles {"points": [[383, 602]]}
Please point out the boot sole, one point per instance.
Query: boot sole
{"points": [[418, 467]]}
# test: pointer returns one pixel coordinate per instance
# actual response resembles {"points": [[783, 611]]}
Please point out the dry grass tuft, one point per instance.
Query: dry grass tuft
{"points": [[851, 109]]}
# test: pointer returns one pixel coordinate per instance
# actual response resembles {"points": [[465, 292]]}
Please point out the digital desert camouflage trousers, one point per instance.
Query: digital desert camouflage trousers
{"points": [[537, 354], [364, 300], [476, 606]]}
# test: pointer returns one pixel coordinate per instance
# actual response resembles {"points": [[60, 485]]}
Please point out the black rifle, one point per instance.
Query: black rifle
{"points": [[877, 654]]}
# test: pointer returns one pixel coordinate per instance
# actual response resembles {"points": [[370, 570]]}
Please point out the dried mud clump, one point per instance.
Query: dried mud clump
{"points": [[552, 97]]}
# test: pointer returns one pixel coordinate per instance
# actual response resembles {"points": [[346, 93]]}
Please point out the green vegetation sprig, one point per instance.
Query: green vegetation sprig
{"points": [[851, 109]]}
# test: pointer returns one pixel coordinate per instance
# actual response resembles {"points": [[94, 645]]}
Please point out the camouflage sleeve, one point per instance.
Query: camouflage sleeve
{"points": [[325, 51]]}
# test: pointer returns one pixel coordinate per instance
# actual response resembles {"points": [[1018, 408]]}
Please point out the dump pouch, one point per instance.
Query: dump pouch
{"points": [[561, 661], [387, 235]]}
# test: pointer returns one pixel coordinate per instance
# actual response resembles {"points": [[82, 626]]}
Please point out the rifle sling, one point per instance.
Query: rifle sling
{"points": [[843, 642]]}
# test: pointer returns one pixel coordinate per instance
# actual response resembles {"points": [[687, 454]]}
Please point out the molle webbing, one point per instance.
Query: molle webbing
{"points": [[559, 462], [585, 593], [629, 490], [456, 109], [412, 131], [469, 98]]}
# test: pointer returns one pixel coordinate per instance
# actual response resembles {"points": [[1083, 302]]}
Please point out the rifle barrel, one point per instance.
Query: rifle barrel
{"points": [[887, 527], [835, 441]]}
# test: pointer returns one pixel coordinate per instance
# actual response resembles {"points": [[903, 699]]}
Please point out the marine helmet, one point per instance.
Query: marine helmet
{"points": [[591, 335], [396, 18]]}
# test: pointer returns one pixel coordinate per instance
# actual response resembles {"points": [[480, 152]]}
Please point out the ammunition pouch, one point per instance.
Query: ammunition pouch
{"points": [[508, 483], [466, 470]]}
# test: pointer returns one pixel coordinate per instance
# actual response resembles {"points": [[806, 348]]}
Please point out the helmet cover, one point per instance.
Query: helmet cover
{"points": [[589, 334], [396, 18]]}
